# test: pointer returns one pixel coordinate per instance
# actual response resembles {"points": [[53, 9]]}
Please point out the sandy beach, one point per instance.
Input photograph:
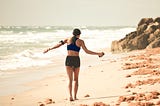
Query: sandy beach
{"points": [[127, 79]]}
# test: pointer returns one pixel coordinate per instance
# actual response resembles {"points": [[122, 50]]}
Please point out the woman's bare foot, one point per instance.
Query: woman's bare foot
{"points": [[71, 99]]}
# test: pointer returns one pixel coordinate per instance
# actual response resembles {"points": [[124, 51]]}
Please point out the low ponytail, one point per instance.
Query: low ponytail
{"points": [[74, 39], [76, 32]]}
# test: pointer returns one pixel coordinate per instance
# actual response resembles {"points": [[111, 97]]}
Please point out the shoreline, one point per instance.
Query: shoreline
{"points": [[100, 80], [18, 77]]}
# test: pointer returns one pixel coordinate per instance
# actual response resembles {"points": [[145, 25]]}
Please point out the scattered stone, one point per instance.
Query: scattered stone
{"points": [[158, 103], [127, 76], [100, 104], [144, 64], [87, 96], [141, 104], [145, 71], [117, 104], [122, 99], [155, 93], [131, 98], [130, 85], [128, 90], [134, 65], [134, 93], [41, 104], [144, 82], [49, 101], [140, 97]]}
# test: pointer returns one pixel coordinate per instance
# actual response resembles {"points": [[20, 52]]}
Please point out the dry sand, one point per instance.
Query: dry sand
{"points": [[130, 79]]}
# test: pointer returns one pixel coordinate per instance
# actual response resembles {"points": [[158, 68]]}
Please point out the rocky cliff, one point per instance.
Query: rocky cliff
{"points": [[147, 35]]}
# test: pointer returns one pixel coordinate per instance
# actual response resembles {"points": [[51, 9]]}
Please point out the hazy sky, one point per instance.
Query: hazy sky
{"points": [[77, 12]]}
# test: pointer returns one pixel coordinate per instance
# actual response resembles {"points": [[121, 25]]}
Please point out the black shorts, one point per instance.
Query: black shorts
{"points": [[73, 61]]}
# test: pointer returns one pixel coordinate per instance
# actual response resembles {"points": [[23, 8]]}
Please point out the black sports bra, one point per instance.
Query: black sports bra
{"points": [[73, 47]]}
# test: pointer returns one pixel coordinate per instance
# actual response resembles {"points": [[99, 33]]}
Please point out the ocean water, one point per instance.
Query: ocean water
{"points": [[21, 49], [23, 46]]}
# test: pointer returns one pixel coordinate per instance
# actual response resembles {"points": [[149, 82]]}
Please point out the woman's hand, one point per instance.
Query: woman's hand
{"points": [[101, 54], [45, 51]]}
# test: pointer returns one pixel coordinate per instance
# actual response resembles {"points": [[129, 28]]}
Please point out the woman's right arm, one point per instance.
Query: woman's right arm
{"points": [[100, 54], [62, 42]]}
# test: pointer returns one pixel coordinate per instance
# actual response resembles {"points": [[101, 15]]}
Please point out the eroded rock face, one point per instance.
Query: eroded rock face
{"points": [[147, 35]]}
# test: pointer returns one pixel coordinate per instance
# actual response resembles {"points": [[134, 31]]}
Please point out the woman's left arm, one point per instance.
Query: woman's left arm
{"points": [[62, 42]]}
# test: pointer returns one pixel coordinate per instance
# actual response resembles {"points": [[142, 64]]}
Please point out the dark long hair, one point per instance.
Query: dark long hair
{"points": [[76, 32]]}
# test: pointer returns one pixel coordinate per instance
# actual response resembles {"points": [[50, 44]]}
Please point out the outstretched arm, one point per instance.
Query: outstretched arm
{"points": [[100, 54], [56, 46]]}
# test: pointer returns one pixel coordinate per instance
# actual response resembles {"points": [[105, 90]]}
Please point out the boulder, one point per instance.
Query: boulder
{"points": [[154, 36], [147, 35], [145, 21], [154, 44], [141, 29], [157, 19], [140, 42]]}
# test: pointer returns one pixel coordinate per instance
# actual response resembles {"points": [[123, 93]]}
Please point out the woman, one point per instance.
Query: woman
{"points": [[72, 62]]}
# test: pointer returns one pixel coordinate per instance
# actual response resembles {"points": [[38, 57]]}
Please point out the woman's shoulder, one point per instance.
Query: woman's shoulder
{"points": [[81, 40]]}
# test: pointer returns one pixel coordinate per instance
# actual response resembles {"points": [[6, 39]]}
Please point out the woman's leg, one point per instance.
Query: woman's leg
{"points": [[70, 76], [76, 74]]}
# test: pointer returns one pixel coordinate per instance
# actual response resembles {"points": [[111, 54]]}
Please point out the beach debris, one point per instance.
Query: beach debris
{"points": [[139, 97], [127, 76], [41, 104], [128, 91], [100, 104], [146, 65], [145, 71], [12, 98], [144, 82], [49, 101], [130, 85], [46, 84], [117, 104], [141, 104], [122, 99], [87, 95], [158, 103], [134, 93], [135, 65]]}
